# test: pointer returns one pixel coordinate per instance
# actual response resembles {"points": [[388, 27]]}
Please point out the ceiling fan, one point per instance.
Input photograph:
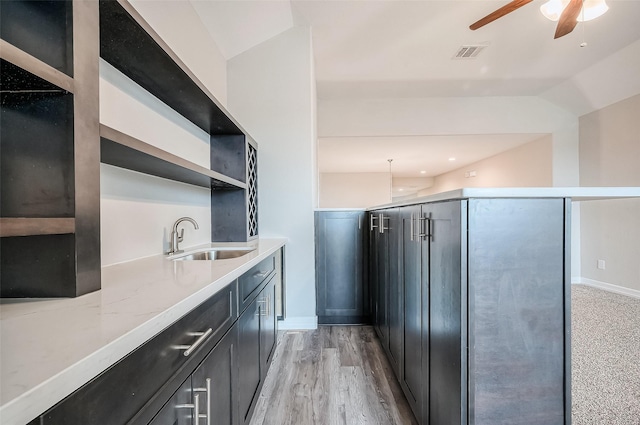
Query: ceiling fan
{"points": [[567, 22]]}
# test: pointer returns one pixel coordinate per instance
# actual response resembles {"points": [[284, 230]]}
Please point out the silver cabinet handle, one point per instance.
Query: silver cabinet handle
{"points": [[411, 227], [427, 222], [207, 391], [260, 274], [208, 401], [371, 221], [195, 406], [202, 336], [381, 222]]}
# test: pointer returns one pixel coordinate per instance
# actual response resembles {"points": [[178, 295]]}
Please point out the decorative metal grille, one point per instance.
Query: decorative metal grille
{"points": [[252, 187]]}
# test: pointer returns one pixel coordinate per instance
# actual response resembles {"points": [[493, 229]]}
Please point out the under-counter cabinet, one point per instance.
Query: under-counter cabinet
{"points": [[486, 311], [210, 364], [256, 343], [208, 395], [341, 293]]}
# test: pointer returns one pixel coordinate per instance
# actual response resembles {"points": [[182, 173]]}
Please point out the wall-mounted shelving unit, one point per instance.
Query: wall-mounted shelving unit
{"points": [[52, 141], [121, 150], [130, 45], [49, 190]]}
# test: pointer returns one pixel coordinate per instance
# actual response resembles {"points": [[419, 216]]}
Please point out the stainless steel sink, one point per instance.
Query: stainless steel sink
{"points": [[214, 254]]}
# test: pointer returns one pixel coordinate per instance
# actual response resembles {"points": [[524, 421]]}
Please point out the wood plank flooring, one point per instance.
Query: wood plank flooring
{"points": [[335, 375]]}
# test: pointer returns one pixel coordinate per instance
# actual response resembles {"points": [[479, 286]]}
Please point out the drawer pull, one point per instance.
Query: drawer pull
{"points": [[202, 336], [261, 274]]}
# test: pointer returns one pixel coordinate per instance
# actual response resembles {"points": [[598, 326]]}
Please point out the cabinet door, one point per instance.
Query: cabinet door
{"points": [[215, 382], [444, 330], [382, 290], [395, 302], [412, 293], [339, 266], [249, 377], [372, 261], [268, 326], [180, 409]]}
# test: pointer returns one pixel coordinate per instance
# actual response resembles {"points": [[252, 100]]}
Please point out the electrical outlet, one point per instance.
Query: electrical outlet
{"points": [[601, 264]]}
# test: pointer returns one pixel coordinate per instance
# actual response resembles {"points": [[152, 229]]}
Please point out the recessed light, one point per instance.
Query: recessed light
{"points": [[401, 189], [452, 159], [423, 172]]}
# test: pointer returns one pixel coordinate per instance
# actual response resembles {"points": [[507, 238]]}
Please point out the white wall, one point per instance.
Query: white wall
{"points": [[137, 210], [528, 165], [354, 190], [610, 230], [177, 23], [271, 91]]}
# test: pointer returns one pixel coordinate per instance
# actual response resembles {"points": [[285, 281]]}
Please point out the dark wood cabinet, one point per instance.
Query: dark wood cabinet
{"points": [[341, 292], [180, 408], [268, 326], [249, 359], [230, 352], [256, 343], [215, 381], [208, 394], [413, 290], [486, 334]]}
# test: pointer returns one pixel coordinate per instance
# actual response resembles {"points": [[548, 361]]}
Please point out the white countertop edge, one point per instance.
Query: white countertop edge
{"points": [[42, 397], [575, 193]]}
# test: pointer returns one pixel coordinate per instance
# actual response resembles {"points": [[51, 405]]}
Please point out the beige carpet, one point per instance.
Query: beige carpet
{"points": [[605, 357]]}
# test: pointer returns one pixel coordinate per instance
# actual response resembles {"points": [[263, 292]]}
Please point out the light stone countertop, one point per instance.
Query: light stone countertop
{"points": [[575, 193], [51, 347]]}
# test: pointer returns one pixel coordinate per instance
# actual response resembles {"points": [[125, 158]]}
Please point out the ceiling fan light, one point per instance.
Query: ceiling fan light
{"points": [[553, 9], [592, 9]]}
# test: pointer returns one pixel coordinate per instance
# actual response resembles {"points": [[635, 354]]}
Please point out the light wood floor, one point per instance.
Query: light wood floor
{"points": [[335, 375]]}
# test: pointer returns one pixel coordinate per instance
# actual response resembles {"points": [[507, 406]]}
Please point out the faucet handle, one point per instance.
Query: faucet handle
{"points": [[181, 236]]}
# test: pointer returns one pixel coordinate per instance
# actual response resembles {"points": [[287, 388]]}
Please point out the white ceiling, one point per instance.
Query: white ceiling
{"points": [[404, 48]]}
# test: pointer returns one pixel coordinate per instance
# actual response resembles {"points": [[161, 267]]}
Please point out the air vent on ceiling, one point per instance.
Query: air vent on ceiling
{"points": [[469, 51]]}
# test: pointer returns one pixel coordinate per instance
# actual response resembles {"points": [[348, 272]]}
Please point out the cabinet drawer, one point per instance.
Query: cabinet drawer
{"points": [[249, 283], [144, 379]]}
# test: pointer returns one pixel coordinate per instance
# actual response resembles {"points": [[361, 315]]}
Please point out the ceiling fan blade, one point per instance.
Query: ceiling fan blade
{"points": [[569, 18], [507, 8]]}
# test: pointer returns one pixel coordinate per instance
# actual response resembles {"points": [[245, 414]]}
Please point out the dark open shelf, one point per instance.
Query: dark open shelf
{"points": [[36, 140], [10, 227], [130, 48], [48, 270], [124, 151], [43, 29]]}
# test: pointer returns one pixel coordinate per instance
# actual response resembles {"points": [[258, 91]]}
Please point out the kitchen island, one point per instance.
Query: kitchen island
{"points": [[470, 297]]}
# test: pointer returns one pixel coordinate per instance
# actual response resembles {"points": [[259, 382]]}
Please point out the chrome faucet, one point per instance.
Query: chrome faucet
{"points": [[175, 238]]}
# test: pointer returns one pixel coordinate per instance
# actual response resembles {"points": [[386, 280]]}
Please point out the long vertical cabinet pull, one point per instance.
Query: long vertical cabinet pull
{"points": [[411, 227], [372, 219], [381, 220], [207, 391], [195, 406], [425, 222]]}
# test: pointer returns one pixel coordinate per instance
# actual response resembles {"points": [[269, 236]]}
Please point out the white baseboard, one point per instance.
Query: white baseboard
{"points": [[606, 286], [298, 323]]}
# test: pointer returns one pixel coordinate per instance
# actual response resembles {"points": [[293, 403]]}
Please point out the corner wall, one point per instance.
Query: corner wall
{"points": [[354, 190], [610, 230], [529, 165], [271, 91]]}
